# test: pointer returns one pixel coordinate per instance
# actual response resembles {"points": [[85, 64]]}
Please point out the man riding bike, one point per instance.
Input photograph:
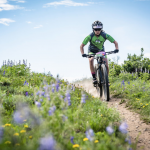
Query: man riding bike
{"points": [[97, 39]]}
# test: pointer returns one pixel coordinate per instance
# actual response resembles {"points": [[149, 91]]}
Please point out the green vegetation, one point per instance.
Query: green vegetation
{"points": [[38, 111], [130, 83]]}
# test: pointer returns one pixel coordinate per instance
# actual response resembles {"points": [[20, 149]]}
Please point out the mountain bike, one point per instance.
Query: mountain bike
{"points": [[101, 74]]}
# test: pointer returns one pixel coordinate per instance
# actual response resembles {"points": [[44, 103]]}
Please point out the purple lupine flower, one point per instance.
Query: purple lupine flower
{"points": [[57, 87], [133, 85], [51, 110], [48, 98], [128, 140], [53, 90], [129, 82], [51, 75], [42, 93], [61, 96], [64, 118], [71, 139], [41, 100], [68, 98], [83, 98], [123, 128], [90, 134], [32, 94], [18, 117], [4, 73], [130, 148], [26, 93], [1, 133], [25, 83], [38, 104], [72, 87], [37, 93], [47, 143], [109, 130], [122, 83]]}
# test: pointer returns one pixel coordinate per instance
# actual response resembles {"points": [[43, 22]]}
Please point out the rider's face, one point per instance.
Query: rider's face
{"points": [[97, 32]]}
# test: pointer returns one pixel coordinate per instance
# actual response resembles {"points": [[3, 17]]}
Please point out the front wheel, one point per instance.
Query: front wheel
{"points": [[105, 86], [98, 86]]}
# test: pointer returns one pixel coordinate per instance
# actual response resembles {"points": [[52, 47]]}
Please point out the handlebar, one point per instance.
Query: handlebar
{"points": [[92, 55]]}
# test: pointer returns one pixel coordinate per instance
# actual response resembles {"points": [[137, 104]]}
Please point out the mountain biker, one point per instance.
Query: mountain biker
{"points": [[97, 39]]}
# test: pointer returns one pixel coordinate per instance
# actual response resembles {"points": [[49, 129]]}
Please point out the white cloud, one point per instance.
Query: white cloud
{"points": [[6, 21], [39, 26], [19, 1], [147, 55], [65, 3], [29, 22], [5, 6]]}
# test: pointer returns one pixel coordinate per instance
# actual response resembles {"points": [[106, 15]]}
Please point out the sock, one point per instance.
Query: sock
{"points": [[93, 74]]}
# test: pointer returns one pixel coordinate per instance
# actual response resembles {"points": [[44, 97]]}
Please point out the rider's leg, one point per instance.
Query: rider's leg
{"points": [[91, 63]]}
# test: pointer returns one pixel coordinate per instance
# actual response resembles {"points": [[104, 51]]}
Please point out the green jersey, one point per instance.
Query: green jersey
{"points": [[97, 43]]}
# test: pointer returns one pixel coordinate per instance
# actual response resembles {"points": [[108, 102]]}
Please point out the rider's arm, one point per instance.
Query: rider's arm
{"points": [[116, 45], [86, 40], [81, 48]]}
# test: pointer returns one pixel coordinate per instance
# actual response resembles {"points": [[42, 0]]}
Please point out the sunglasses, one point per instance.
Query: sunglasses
{"points": [[97, 29]]}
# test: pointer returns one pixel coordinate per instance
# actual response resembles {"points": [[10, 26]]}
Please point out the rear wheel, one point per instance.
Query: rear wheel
{"points": [[98, 86], [105, 86]]}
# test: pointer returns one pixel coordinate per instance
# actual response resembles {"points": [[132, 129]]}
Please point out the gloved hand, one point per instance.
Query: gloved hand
{"points": [[116, 51], [84, 55]]}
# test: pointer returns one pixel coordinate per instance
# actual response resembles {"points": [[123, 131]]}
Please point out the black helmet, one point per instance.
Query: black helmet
{"points": [[97, 25]]}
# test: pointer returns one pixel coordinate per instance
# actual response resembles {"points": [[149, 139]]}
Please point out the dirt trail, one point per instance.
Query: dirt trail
{"points": [[136, 127]]}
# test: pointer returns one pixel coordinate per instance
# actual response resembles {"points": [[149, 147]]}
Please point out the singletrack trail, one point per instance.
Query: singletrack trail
{"points": [[138, 130]]}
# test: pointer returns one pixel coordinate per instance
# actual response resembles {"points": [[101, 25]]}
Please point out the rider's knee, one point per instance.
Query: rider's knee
{"points": [[91, 60]]}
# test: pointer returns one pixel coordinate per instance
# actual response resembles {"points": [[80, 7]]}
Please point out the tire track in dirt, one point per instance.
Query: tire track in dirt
{"points": [[136, 127]]}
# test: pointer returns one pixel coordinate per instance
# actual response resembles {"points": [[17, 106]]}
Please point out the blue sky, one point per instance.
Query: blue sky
{"points": [[48, 33]]}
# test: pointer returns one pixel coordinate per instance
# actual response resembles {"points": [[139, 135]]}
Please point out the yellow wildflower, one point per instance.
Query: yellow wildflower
{"points": [[22, 131], [3, 126], [96, 141], [143, 106], [146, 104], [101, 115], [141, 103], [85, 139], [75, 145], [30, 137], [7, 125], [26, 126], [16, 134], [17, 144], [7, 142]]}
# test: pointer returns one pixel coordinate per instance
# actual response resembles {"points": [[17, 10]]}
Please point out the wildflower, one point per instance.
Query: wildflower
{"points": [[57, 87], [109, 130], [85, 139], [41, 100], [7, 142], [129, 82], [143, 106], [53, 90], [32, 94], [123, 128], [83, 98], [4, 73], [64, 118], [16, 134], [17, 144], [22, 131], [146, 104], [75, 145], [7, 125], [51, 110], [26, 93], [30, 137], [1, 133], [61, 96], [24, 120], [38, 104], [17, 117], [128, 139], [47, 143], [122, 83], [89, 134], [71, 139], [26, 126], [96, 141], [68, 98]]}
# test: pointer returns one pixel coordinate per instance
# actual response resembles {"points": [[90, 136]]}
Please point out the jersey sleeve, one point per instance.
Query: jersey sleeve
{"points": [[86, 40], [108, 37]]}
